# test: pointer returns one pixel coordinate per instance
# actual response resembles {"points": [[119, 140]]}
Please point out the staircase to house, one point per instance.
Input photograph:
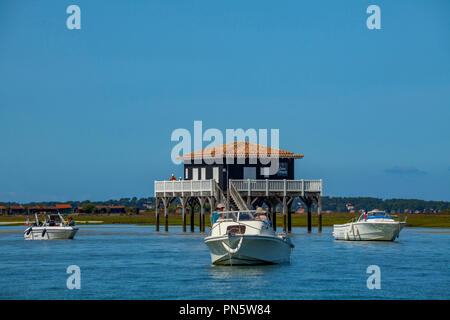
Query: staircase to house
{"points": [[235, 197], [220, 195]]}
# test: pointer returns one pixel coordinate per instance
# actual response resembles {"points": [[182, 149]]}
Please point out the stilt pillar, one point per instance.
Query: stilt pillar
{"points": [[192, 206], [319, 214], [309, 219], [274, 217], [166, 219], [166, 203], [202, 201], [157, 213], [212, 204], [183, 201], [284, 214]]}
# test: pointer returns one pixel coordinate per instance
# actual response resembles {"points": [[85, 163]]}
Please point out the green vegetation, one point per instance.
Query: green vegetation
{"points": [[339, 204], [438, 220], [333, 204]]}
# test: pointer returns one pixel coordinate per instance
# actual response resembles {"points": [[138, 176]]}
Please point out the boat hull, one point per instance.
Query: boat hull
{"points": [[248, 249], [51, 233], [368, 231]]}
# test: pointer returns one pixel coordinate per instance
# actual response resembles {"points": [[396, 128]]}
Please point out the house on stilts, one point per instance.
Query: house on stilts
{"points": [[240, 175]]}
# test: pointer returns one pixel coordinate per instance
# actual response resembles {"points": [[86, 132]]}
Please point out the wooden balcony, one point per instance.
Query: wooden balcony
{"points": [[247, 187]]}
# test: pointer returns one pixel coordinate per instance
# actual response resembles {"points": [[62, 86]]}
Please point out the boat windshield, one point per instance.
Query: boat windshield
{"points": [[374, 215], [53, 220], [250, 215]]}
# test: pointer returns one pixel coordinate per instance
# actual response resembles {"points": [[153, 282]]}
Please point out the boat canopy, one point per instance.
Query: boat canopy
{"points": [[249, 215], [375, 214]]}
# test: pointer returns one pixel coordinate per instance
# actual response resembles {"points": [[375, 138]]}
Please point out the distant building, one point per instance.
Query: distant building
{"points": [[64, 208], [42, 210], [117, 209], [2, 210], [16, 210]]}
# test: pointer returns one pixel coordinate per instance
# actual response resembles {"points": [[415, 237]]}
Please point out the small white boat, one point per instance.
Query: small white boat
{"points": [[246, 237], [50, 229], [373, 225]]}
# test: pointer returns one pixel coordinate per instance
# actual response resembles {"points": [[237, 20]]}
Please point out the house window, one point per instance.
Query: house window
{"points": [[283, 169], [195, 174], [249, 172], [216, 174], [186, 174], [266, 172], [203, 176]]}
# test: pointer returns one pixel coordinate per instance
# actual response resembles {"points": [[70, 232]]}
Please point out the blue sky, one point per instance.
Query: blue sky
{"points": [[88, 114]]}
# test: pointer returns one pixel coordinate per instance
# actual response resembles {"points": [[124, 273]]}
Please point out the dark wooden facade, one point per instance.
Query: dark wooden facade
{"points": [[237, 170]]}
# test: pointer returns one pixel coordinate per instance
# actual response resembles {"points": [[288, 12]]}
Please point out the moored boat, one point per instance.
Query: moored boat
{"points": [[246, 237], [373, 225], [53, 228]]}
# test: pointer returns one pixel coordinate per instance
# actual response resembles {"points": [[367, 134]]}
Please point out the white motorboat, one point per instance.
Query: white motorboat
{"points": [[246, 237], [373, 225], [50, 229]]}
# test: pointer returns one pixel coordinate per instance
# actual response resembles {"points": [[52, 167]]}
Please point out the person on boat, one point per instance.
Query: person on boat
{"points": [[172, 178], [218, 213], [180, 179], [261, 215], [70, 222], [52, 222]]}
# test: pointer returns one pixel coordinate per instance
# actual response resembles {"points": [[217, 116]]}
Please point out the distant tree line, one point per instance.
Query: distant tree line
{"points": [[126, 202], [336, 204], [340, 204]]}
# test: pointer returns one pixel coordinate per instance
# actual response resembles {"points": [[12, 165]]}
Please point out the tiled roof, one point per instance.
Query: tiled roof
{"points": [[240, 150]]}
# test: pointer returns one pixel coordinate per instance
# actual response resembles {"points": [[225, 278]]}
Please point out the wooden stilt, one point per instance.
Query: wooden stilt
{"points": [[166, 219], [284, 214], [192, 217], [212, 204], [166, 203], [183, 201], [309, 219], [202, 201], [274, 217], [319, 213], [157, 213]]}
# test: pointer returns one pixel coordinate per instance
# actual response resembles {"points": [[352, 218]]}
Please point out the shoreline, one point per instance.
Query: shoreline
{"points": [[298, 220]]}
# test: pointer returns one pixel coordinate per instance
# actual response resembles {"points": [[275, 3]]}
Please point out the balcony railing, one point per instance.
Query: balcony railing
{"points": [[202, 187], [207, 187], [284, 186]]}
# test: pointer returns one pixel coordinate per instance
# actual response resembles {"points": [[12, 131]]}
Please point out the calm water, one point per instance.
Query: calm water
{"points": [[135, 262]]}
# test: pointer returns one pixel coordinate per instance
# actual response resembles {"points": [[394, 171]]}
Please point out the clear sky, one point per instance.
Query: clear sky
{"points": [[88, 114]]}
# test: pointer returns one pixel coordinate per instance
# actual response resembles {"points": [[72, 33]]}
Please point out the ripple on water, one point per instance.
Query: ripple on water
{"points": [[135, 262]]}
